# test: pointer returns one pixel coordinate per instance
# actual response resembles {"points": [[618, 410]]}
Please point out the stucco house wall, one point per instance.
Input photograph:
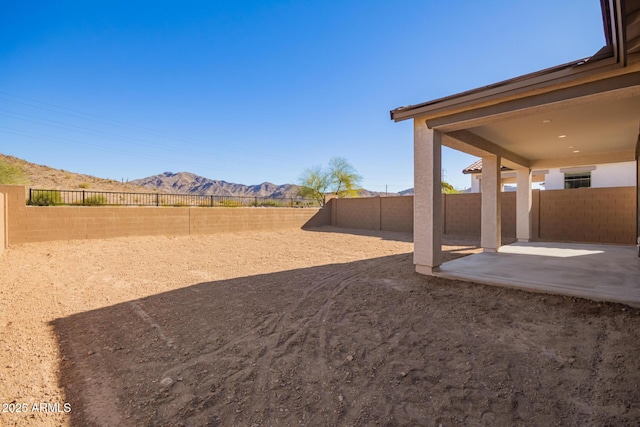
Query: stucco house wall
{"points": [[606, 175]]}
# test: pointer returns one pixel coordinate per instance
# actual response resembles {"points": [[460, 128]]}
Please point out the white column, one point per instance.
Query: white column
{"points": [[427, 202], [523, 205], [491, 239]]}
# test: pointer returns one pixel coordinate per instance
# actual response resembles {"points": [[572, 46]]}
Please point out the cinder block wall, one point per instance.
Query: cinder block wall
{"points": [[363, 213], [598, 215], [595, 215], [3, 223], [508, 214], [396, 213], [373, 213], [462, 214], [27, 224], [604, 215]]}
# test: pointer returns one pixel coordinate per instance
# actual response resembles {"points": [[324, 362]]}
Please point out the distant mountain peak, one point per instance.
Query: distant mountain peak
{"points": [[190, 183]]}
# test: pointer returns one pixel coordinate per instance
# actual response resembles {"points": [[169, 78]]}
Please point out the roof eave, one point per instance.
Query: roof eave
{"points": [[495, 91], [610, 56]]}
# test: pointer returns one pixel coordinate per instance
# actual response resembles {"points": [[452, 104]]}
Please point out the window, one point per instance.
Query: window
{"points": [[577, 180]]}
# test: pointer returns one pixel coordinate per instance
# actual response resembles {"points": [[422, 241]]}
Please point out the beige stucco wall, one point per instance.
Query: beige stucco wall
{"points": [[27, 224]]}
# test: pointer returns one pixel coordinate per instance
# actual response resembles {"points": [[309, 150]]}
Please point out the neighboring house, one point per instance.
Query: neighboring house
{"points": [[620, 174], [586, 112]]}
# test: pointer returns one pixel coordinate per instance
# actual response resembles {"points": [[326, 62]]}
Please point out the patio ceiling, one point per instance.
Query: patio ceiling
{"points": [[581, 133]]}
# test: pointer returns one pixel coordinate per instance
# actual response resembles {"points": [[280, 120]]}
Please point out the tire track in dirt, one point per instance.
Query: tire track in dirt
{"points": [[253, 353], [334, 285], [101, 406], [139, 311], [592, 380]]}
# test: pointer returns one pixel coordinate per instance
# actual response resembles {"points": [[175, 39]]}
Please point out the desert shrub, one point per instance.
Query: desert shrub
{"points": [[96, 200], [84, 185], [45, 198], [230, 203], [11, 174], [270, 204]]}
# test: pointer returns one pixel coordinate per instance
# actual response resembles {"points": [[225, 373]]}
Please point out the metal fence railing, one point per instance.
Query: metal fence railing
{"points": [[39, 197]]}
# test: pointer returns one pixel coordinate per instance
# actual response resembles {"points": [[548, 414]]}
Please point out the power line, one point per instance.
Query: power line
{"points": [[124, 125], [67, 141]]}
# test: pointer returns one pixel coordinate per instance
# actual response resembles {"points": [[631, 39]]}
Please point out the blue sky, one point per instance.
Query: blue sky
{"points": [[253, 91]]}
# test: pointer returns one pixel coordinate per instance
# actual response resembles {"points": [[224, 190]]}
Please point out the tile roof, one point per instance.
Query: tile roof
{"points": [[477, 168]]}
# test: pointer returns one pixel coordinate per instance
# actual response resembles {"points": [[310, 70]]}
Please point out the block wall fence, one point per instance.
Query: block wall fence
{"points": [[3, 223], [27, 224], [594, 215]]}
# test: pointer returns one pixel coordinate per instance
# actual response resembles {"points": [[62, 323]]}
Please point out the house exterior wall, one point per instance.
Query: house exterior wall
{"points": [[475, 183], [614, 175], [554, 180], [622, 174], [603, 176]]}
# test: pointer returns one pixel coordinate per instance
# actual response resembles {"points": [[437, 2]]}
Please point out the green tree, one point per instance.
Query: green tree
{"points": [[11, 174], [448, 188], [343, 177], [314, 182], [339, 178]]}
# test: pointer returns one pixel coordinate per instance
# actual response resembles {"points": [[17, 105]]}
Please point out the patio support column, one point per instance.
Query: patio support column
{"points": [[523, 205], [427, 202], [490, 218]]}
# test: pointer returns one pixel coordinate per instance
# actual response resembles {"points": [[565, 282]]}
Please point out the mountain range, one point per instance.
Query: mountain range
{"points": [[46, 177], [190, 183]]}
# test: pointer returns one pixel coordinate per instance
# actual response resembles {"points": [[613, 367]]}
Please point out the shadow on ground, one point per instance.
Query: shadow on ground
{"points": [[357, 343], [399, 236]]}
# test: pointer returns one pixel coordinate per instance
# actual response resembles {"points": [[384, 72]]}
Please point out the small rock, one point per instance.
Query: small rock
{"points": [[166, 382]]}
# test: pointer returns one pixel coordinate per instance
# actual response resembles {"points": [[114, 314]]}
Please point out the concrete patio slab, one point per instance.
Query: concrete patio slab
{"points": [[598, 272]]}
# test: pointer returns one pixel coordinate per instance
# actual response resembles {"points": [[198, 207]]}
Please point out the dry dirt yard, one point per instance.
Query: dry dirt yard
{"points": [[317, 328]]}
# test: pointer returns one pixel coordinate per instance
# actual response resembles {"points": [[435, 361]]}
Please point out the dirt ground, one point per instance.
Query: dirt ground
{"points": [[319, 327]]}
